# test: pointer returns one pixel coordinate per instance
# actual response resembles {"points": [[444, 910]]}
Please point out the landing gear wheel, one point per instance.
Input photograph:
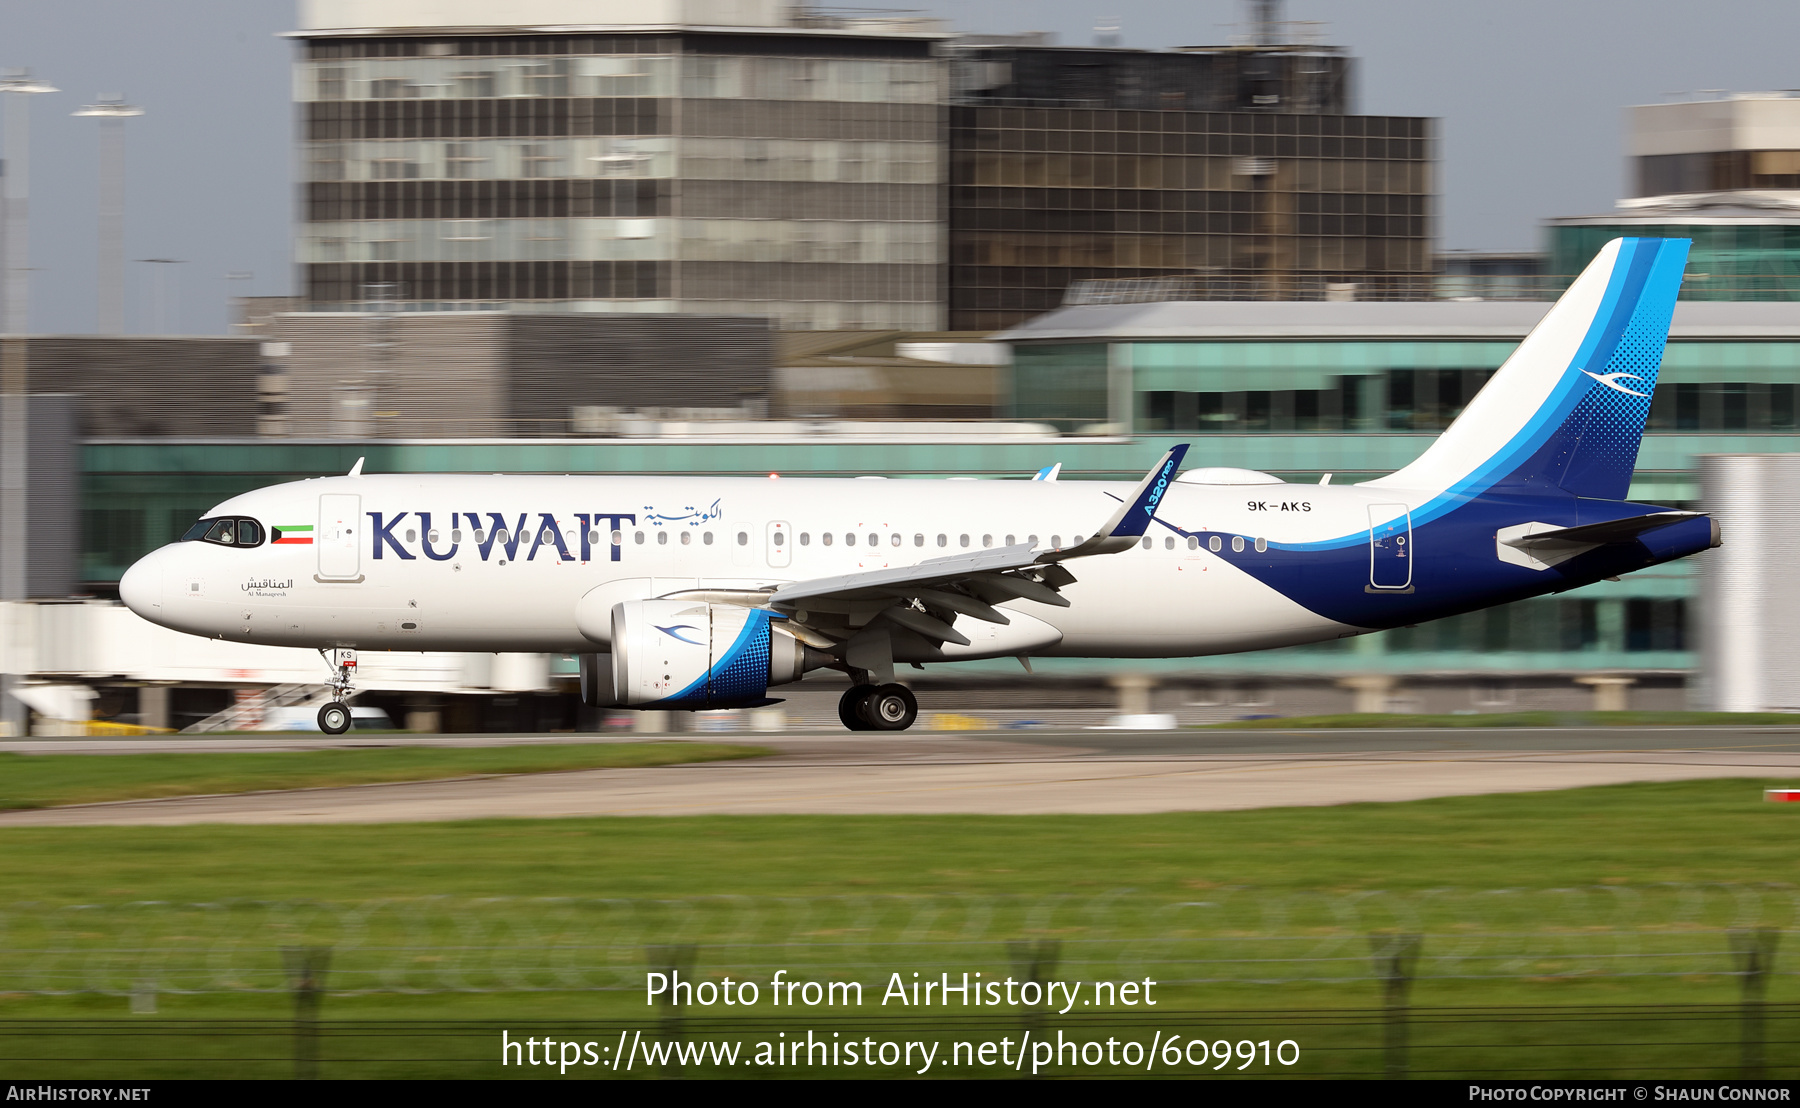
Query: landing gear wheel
{"points": [[334, 718], [890, 708], [850, 707]]}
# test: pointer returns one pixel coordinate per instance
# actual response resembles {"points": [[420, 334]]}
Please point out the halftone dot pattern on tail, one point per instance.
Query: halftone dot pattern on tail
{"points": [[1609, 421]]}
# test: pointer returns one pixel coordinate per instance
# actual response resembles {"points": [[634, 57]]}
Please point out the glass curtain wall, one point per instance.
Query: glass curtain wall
{"points": [[1263, 205]]}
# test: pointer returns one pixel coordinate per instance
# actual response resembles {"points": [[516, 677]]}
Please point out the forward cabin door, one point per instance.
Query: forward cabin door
{"points": [[338, 542], [1390, 547]]}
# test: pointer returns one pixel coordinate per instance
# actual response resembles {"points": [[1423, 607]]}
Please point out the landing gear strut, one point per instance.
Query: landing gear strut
{"points": [[878, 708], [334, 718]]}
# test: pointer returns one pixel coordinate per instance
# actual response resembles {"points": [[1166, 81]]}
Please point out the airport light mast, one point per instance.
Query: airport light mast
{"points": [[111, 111], [14, 372]]}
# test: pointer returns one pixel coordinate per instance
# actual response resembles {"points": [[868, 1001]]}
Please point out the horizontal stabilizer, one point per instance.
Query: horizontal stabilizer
{"points": [[1598, 534]]}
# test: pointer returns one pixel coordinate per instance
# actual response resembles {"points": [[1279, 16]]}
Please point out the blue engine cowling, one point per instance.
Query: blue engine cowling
{"points": [[688, 654]]}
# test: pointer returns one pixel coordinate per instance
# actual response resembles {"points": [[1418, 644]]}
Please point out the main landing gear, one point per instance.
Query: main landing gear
{"points": [[878, 708], [335, 718]]}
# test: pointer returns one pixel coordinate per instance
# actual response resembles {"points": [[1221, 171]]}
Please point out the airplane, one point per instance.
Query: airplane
{"points": [[706, 592]]}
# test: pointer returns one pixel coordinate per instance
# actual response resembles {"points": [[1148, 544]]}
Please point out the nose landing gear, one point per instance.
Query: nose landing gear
{"points": [[878, 708], [334, 718]]}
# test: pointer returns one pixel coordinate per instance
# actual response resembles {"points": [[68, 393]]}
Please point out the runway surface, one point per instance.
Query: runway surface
{"points": [[992, 772]]}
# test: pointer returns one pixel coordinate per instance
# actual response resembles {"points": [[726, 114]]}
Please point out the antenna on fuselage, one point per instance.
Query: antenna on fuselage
{"points": [[356, 470]]}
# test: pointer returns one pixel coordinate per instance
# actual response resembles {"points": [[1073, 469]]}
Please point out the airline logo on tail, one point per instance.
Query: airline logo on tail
{"points": [[1611, 381]]}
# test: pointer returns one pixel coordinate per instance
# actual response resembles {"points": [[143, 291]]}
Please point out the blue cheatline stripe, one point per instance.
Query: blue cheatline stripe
{"points": [[1626, 286]]}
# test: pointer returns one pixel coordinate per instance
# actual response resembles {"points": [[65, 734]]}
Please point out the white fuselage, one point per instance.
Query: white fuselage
{"points": [[402, 566]]}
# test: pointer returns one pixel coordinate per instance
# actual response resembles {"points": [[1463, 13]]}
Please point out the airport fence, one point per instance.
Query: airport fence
{"points": [[1224, 936], [1669, 981]]}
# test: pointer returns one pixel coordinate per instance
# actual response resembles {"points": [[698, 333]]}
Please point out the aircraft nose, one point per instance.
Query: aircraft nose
{"points": [[141, 587]]}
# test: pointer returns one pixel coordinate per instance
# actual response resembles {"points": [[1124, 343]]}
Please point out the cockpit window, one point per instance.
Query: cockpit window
{"points": [[226, 531]]}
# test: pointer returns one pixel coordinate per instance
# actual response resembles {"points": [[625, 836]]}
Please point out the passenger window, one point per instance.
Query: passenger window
{"points": [[1169, 543], [1147, 541], [896, 541], [1262, 545], [964, 540], [1213, 544], [744, 539], [687, 538], [707, 538], [1237, 544], [1056, 542], [456, 534], [222, 531], [1009, 540], [618, 538], [1032, 539], [943, 540], [806, 538], [1193, 542], [849, 538], [249, 532], [825, 537], [662, 538], [987, 540], [918, 540], [638, 537], [874, 539], [412, 535]]}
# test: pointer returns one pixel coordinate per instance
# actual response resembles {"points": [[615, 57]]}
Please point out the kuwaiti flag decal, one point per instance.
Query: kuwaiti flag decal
{"points": [[293, 535]]}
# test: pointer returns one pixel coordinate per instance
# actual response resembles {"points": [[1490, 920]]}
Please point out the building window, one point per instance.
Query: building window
{"points": [[393, 88], [473, 85], [540, 160], [393, 169], [462, 160]]}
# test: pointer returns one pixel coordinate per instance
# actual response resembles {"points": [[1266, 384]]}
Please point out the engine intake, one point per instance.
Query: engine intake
{"points": [[682, 654]]}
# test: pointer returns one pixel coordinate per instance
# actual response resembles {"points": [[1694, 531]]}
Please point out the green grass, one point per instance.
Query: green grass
{"points": [[1627, 836], [1519, 719], [1690, 831], [43, 780]]}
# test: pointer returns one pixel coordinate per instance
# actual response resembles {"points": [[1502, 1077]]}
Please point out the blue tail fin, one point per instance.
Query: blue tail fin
{"points": [[1567, 410]]}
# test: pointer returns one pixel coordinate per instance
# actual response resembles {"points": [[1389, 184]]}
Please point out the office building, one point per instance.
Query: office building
{"points": [[708, 156], [1238, 171]]}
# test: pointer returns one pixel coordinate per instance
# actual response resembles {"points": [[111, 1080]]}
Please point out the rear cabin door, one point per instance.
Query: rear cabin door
{"points": [[340, 519], [1390, 546]]}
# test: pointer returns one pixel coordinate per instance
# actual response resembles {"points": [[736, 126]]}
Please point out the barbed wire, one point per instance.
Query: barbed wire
{"points": [[1234, 934]]}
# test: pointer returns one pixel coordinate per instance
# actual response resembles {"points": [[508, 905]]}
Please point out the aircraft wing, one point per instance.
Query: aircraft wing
{"points": [[926, 597]]}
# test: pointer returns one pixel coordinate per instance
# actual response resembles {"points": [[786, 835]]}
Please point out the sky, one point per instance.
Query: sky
{"points": [[1530, 95]]}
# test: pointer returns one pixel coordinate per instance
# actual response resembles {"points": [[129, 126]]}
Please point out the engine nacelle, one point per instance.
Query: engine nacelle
{"points": [[688, 654]]}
